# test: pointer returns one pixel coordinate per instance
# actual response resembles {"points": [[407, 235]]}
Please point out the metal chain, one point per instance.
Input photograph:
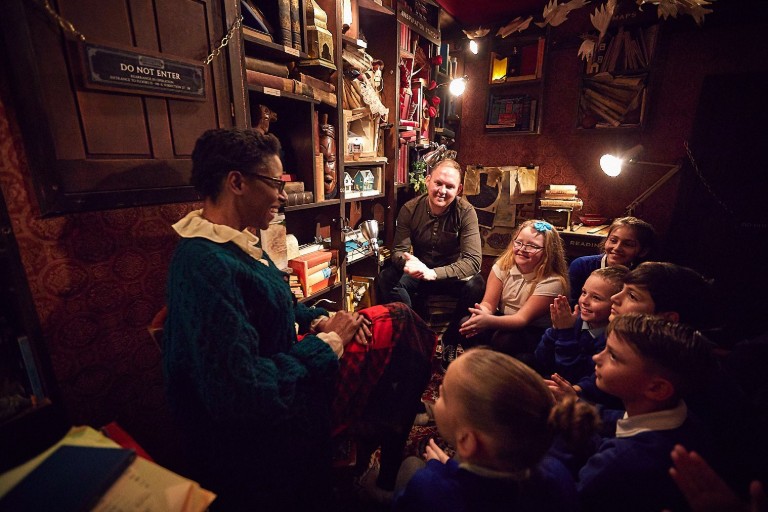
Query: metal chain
{"points": [[704, 181], [70, 29], [224, 40], [65, 25]]}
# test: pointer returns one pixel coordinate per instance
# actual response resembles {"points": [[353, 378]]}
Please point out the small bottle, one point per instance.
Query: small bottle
{"points": [[513, 63]]}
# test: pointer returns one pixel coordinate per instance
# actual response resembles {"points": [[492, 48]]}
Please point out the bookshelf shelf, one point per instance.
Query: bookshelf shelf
{"points": [[270, 91], [320, 293], [516, 84], [309, 206], [299, 79]]}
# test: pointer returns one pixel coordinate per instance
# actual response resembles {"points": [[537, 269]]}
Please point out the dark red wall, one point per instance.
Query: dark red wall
{"points": [[686, 54]]}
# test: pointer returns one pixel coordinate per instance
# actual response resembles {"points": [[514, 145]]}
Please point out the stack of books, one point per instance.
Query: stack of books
{"points": [[561, 196], [295, 284], [315, 270], [557, 204]]}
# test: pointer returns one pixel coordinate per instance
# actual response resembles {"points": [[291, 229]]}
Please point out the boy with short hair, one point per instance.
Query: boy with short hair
{"points": [[567, 347], [650, 364], [672, 292]]}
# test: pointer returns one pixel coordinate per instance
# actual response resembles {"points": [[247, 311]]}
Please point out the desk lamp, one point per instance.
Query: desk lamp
{"points": [[370, 230], [613, 165]]}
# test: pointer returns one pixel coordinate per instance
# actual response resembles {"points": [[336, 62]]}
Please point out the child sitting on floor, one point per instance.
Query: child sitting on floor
{"points": [[568, 346], [650, 364], [498, 415], [667, 290]]}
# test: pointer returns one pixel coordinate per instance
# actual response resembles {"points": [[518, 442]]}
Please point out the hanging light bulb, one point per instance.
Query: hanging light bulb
{"points": [[473, 47], [346, 15], [458, 85]]}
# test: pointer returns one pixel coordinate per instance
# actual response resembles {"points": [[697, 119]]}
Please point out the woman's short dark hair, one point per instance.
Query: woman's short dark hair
{"points": [[221, 150]]}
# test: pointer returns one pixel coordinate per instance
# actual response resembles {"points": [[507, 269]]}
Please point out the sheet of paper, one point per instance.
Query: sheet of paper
{"points": [[144, 487]]}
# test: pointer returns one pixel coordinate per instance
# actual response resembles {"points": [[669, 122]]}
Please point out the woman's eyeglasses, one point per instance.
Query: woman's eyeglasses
{"points": [[520, 246], [276, 182]]}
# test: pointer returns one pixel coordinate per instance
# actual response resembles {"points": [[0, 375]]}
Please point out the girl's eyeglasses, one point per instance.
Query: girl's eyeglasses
{"points": [[520, 246]]}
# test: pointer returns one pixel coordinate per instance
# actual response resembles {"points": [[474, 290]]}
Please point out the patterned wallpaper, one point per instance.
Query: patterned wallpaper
{"points": [[564, 154], [98, 278]]}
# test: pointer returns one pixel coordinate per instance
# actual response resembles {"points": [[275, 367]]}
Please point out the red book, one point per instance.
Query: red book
{"points": [[325, 283], [302, 265]]}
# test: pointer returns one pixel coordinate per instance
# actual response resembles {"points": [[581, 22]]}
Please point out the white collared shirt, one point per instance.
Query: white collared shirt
{"points": [[194, 225], [667, 419], [593, 331]]}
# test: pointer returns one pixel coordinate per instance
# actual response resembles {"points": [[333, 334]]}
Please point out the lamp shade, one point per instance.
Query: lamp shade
{"points": [[612, 165]]}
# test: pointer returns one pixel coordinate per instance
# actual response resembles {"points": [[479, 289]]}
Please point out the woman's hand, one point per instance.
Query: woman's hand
{"points": [[560, 387], [346, 324], [560, 312], [481, 319], [433, 451]]}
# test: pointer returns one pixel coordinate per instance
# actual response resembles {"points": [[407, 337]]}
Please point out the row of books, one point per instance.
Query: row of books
{"points": [[296, 194], [514, 113], [629, 50], [288, 17], [278, 76]]}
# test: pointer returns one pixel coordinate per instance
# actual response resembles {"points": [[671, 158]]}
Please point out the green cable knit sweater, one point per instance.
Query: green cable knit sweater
{"points": [[253, 401]]}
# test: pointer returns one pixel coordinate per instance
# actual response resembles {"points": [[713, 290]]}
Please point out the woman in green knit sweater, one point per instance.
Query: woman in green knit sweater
{"points": [[256, 401]]}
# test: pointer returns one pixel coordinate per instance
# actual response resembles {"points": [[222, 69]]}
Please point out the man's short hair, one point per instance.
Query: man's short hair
{"points": [[453, 164]]}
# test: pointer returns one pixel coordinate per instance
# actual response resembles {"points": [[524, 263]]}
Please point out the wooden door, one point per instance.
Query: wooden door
{"points": [[92, 149]]}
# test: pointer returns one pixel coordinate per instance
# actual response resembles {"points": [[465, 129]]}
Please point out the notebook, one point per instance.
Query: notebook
{"points": [[72, 479]]}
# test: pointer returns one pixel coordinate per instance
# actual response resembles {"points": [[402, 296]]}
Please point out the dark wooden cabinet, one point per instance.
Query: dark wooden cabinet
{"points": [[94, 149]]}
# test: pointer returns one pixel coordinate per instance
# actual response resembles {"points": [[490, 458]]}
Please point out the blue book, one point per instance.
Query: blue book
{"points": [[71, 479], [29, 362]]}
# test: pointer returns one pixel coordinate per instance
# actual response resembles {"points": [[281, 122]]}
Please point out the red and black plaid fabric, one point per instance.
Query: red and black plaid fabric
{"points": [[398, 332]]}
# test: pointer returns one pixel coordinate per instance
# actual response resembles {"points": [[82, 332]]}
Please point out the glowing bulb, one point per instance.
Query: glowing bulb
{"points": [[457, 87], [346, 16], [611, 165], [473, 46]]}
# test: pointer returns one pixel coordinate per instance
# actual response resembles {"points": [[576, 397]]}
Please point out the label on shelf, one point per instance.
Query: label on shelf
{"points": [[291, 51], [271, 91]]}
